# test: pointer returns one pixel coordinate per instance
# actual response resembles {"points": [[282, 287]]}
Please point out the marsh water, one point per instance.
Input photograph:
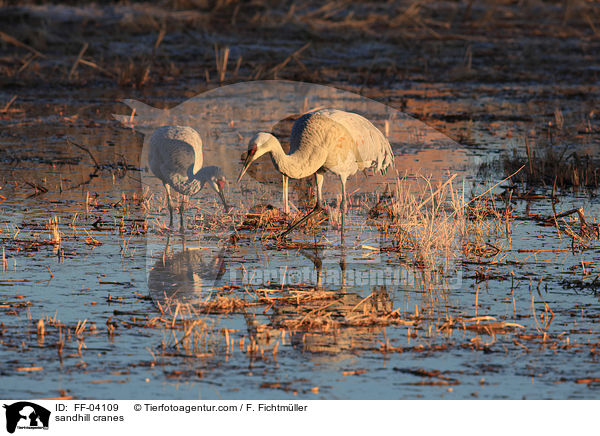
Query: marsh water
{"points": [[117, 268], [99, 300]]}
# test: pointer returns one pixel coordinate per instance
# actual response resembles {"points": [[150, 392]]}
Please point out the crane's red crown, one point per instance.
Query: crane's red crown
{"points": [[252, 150]]}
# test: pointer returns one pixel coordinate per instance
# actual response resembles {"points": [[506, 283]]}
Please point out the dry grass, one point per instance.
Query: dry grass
{"points": [[549, 167], [430, 223], [176, 52], [404, 30], [264, 217], [423, 222], [185, 329]]}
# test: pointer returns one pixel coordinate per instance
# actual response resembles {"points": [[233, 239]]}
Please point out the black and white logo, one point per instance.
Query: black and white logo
{"points": [[26, 415]]}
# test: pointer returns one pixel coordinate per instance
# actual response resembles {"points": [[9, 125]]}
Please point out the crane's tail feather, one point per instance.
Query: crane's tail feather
{"points": [[143, 115]]}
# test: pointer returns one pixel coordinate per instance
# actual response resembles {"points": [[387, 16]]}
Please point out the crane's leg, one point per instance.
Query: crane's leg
{"points": [[319, 178], [343, 206], [166, 251], [318, 263], [219, 265], [286, 204], [343, 267], [168, 191], [318, 207], [181, 210]]}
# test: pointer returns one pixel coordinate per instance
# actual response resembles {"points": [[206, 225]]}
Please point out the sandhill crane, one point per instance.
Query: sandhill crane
{"points": [[263, 171], [175, 157], [326, 139]]}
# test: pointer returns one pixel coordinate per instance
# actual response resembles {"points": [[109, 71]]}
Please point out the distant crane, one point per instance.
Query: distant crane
{"points": [[327, 139], [175, 157]]}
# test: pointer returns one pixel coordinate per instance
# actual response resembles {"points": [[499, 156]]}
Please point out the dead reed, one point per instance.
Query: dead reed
{"points": [[552, 166]]}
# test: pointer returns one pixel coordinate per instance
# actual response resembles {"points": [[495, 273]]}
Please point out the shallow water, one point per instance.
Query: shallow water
{"points": [[117, 282], [120, 365]]}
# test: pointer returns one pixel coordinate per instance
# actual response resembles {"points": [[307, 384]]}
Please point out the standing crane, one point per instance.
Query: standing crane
{"points": [[327, 139], [263, 170], [175, 157]]}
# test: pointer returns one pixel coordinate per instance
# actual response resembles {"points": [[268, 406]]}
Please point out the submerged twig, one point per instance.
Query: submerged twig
{"points": [[87, 150]]}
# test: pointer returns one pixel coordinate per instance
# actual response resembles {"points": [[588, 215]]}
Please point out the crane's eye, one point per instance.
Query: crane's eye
{"points": [[221, 184], [252, 149]]}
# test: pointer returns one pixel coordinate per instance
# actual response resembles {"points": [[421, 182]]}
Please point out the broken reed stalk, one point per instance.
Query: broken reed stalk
{"points": [[282, 65], [553, 201], [6, 37], [55, 237], [7, 105], [529, 158], [38, 188], [79, 56], [238, 64], [436, 192], [97, 67], [87, 150], [41, 330], [543, 250], [221, 58], [160, 37], [578, 211], [29, 59], [501, 181]]}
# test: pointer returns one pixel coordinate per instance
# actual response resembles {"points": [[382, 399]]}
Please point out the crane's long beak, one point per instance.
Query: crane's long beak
{"points": [[222, 197], [247, 163]]}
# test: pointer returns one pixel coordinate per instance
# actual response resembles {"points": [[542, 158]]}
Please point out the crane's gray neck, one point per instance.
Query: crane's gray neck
{"points": [[307, 158], [204, 174], [185, 185], [285, 164], [193, 183]]}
